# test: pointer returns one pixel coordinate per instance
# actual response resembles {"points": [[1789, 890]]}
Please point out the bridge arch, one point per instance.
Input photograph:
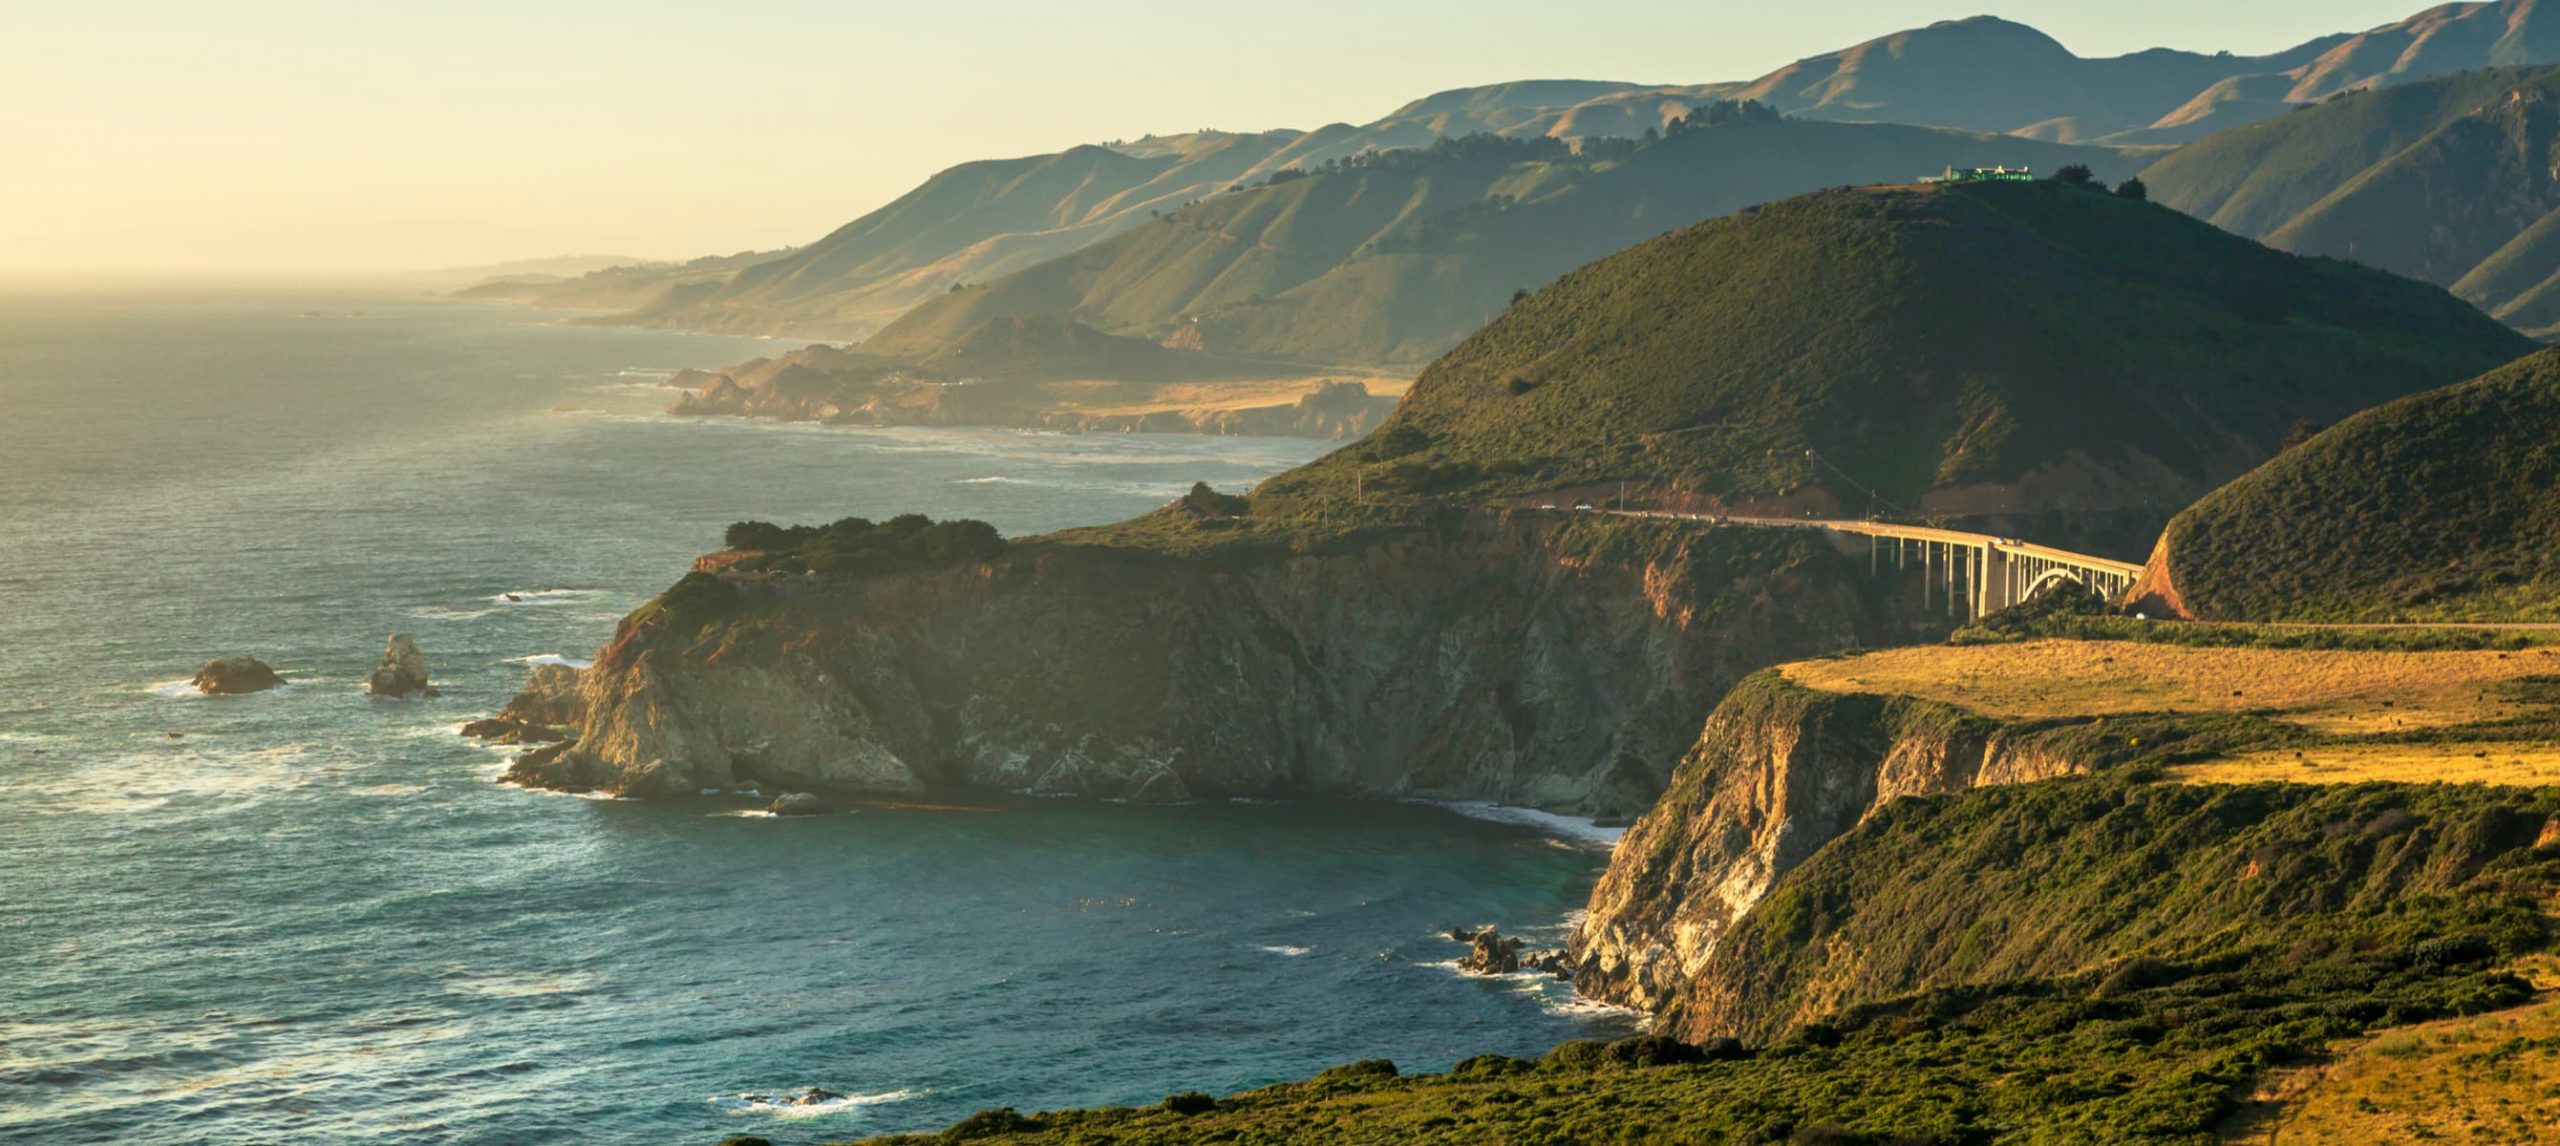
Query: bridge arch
{"points": [[2053, 579]]}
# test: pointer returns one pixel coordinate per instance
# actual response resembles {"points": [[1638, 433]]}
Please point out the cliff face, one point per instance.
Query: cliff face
{"points": [[1778, 772], [1550, 660]]}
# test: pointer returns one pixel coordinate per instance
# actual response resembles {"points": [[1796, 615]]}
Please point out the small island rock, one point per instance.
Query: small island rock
{"points": [[1490, 954], [797, 804], [235, 676], [403, 672]]}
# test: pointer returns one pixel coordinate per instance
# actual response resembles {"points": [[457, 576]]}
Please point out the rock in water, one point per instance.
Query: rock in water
{"points": [[235, 676], [797, 804], [403, 672], [1490, 954]]}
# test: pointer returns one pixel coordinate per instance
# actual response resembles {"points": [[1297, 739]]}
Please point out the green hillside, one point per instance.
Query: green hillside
{"points": [[1395, 258], [1971, 349], [2443, 506], [2450, 180]]}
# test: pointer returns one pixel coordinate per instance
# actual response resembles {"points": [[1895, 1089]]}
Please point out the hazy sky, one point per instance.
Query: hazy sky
{"points": [[357, 134]]}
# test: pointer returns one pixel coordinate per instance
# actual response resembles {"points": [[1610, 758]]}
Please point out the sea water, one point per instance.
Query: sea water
{"points": [[312, 915]]}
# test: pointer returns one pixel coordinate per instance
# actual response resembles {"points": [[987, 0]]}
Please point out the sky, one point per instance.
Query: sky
{"points": [[278, 136]]}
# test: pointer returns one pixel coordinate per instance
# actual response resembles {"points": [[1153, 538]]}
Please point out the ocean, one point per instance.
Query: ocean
{"points": [[312, 915]]}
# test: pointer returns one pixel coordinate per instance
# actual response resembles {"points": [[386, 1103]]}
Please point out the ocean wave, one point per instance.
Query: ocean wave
{"points": [[810, 1103], [543, 596], [551, 659], [996, 479], [518, 985], [442, 613], [1284, 949], [1573, 829]]}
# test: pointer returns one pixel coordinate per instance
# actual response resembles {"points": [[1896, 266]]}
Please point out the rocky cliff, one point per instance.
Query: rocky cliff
{"points": [[1552, 660], [1778, 772]]}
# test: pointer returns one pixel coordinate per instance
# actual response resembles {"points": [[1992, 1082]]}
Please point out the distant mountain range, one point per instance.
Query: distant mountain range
{"points": [[1392, 261], [2453, 180], [979, 223]]}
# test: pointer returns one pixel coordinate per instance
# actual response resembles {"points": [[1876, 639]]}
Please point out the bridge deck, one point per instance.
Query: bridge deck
{"points": [[1908, 533]]}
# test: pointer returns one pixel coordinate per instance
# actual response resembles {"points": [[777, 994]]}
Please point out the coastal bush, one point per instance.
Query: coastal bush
{"points": [[990, 1123], [1209, 501], [1190, 1102], [856, 547], [1365, 1070]]}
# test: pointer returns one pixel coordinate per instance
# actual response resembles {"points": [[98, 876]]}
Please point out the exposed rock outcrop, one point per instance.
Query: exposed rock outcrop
{"points": [[403, 672], [1489, 952], [797, 804], [235, 676], [1778, 772], [1537, 659]]}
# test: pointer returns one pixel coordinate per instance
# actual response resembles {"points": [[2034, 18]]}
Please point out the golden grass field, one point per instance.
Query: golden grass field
{"points": [[2452, 762], [2334, 693], [2491, 1079], [2329, 691]]}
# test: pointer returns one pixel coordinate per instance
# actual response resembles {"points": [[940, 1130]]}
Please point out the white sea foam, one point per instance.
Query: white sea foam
{"points": [[542, 596], [803, 1105], [996, 479], [552, 659], [1284, 949], [1574, 829]]}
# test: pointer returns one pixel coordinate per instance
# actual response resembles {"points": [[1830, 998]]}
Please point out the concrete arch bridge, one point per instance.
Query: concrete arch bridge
{"points": [[1974, 574]]}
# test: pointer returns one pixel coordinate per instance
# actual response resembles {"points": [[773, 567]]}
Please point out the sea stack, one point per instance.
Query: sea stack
{"points": [[403, 672], [235, 676]]}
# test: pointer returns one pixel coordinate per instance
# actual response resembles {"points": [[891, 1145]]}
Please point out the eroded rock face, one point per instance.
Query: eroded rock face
{"points": [[797, 804], [403, 672], [1536, 660], [1778, 772], [545, 712], [235, 676]]}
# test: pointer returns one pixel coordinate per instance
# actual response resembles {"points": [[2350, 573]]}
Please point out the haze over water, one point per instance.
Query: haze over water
{"points": [[313, 914]]}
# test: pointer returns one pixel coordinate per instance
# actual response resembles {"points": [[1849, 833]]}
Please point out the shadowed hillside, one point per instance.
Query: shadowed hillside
{"points": [[2444, 506], [1973, 349]]}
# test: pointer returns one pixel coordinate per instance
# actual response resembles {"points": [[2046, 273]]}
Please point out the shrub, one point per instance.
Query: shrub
{"points": [[1580, 1054], [1190, 1102], [1490, 1066], [1652, 1050], [1366, 1070], [989, 1123], [1209, 501], [855, 547]]}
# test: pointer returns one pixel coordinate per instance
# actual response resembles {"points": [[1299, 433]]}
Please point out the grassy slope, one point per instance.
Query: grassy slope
{"points": [[2445, 179], [2103, 962], [1397, 262], [2441, 506], [1919, 339]]}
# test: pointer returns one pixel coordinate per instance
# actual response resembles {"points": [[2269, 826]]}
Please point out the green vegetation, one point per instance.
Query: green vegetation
{"points": [[2444, 179], [1915, 341], [2439, 507], [2088, 961], [854, 547], [1394, 256]]}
